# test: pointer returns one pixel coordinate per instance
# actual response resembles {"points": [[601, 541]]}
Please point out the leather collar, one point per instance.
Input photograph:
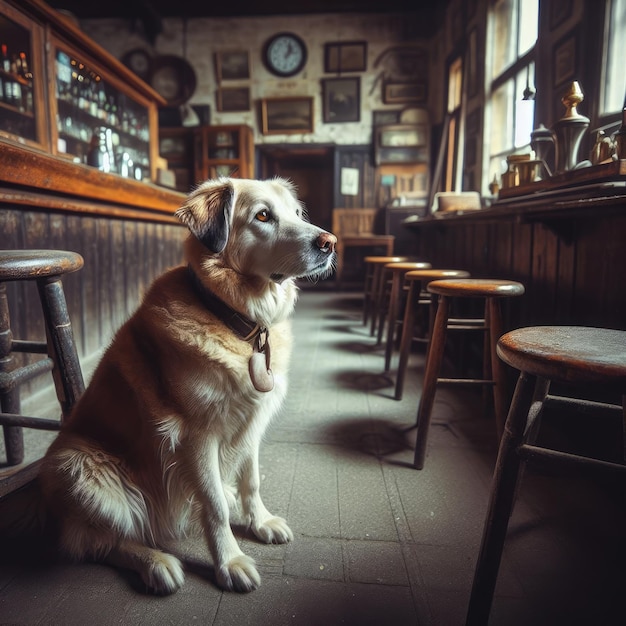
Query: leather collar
{"points": [[241, 325]]}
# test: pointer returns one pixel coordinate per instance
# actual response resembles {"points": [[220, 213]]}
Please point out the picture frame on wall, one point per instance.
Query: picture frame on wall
{"points": [[404, 93], [401, 143], [341, 98], [233, 99], [287, 115], [345, 56], [232, 65], [383, 116], [565, 59]]}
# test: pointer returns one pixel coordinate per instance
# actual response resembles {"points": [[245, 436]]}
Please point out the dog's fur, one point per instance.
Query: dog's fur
{"points": [[169, 428]]}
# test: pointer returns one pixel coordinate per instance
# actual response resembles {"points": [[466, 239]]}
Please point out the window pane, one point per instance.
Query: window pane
{"points": [[455, 82], [528, 25], [501, 137], [524, 109], [615, 53], [504, 43]]}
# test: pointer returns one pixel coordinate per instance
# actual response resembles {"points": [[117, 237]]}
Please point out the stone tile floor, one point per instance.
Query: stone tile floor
{"points": [[376, 542]]}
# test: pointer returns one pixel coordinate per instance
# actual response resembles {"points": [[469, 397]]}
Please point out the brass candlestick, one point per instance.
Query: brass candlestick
{"points": [[569, 130]]}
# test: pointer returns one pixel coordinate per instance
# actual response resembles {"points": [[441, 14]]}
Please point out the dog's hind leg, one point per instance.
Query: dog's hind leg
{"points": [[162, 573]]}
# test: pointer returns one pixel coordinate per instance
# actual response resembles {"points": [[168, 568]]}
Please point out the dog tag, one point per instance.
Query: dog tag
{"points": [[259, 366]]}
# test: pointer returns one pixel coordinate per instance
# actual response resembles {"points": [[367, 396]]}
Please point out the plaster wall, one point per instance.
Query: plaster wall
{"points": [[198, 39]]}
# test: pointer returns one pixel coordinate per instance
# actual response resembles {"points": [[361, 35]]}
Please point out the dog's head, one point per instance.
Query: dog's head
{"points": [[258, 228]]}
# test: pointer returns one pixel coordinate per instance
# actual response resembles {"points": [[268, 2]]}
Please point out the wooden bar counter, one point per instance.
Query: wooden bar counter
{"points": [[566, 245]]}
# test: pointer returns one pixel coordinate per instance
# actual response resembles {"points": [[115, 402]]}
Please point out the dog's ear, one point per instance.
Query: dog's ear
{"points": [[207, 213]]}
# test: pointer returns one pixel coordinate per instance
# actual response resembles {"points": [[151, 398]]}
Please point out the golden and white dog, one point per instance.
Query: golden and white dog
{"points": [[169, 428]]}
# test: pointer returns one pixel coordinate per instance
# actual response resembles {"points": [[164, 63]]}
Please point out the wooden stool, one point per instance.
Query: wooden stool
{"points": [[46, 268], [492, 291], [417, 281], [572, 357], [397, 272], [374, 287]]}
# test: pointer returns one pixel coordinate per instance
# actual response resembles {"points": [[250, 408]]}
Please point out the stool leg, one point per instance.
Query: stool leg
{"points": [[392, 317], [502, 499], [9, 394], [376, 298], [433, 368], [68, 376], [407, 336], [498, 373], [367, 293]]}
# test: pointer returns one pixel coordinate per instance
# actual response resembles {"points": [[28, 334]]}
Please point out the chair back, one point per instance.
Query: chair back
{"points": [[353, 222]]}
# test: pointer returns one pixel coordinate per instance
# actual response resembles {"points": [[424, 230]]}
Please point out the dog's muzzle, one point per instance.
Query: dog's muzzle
{"points": [[326, 242]]}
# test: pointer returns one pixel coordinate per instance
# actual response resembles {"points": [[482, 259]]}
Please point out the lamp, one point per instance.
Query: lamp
{"points": [[529, 92]]}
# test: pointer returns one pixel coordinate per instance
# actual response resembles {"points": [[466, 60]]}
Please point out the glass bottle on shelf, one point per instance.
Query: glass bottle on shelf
{"points": [[98, 123]]}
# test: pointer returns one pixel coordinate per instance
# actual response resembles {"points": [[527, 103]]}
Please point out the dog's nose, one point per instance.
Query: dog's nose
{"points": [[326, 242]]}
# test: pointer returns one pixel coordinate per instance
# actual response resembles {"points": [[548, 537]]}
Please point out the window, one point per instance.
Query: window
{"points": [[514, 27], [452, 179], [614, 78]]}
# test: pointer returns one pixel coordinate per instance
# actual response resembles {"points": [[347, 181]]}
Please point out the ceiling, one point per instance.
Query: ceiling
{"points": [[428, 10]]}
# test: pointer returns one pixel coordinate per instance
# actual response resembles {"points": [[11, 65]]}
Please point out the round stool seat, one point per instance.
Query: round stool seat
{"points": [[431, 274], [385, 259], [569, 354], [31, 264], [476, 287], [407, 266]]}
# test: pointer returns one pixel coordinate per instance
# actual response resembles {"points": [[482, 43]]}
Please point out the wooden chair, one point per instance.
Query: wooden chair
{"points": [[355, 228], [45, 268], [573, 357]]}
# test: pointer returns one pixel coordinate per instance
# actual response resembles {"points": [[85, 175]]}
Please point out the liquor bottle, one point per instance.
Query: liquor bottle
{"points": [[16, 99], [27, 91], [5, 59]]}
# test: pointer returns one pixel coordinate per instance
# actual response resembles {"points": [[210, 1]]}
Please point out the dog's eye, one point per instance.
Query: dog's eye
{"points": [[263, 215]]}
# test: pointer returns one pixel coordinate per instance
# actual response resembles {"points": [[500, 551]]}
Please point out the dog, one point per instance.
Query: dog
{"points": [[168, 430]]}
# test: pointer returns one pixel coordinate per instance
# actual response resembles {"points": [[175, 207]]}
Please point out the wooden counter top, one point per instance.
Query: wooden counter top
{"points": [[546, 205], [37, 179]]}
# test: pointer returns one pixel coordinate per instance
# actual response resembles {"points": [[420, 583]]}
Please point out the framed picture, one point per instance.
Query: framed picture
{"points": [[345, 56], [232, 65], [401, 143], [565, 60], [341, 98], [233, 99], [385, 117], [402, 136], [287, 115], [403, 93]]}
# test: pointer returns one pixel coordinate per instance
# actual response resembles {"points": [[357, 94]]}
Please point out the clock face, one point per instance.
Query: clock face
{"points": [[285, 54]]}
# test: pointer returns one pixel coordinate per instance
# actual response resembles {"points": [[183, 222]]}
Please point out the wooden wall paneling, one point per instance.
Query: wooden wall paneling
{"points": [[141, 269], [105, 280], [543, 275], [598, 254], [131, 271], [118, 273], [614, 291], [74, 292], [89, 247], [565, 277]]}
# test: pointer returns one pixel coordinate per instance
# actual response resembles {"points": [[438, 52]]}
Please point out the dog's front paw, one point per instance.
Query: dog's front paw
{"points": [[164, 575], [239, 574], [273, 530]]}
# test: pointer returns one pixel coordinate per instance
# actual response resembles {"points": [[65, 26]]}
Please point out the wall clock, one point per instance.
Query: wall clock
{"points": [[284, 54]]}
